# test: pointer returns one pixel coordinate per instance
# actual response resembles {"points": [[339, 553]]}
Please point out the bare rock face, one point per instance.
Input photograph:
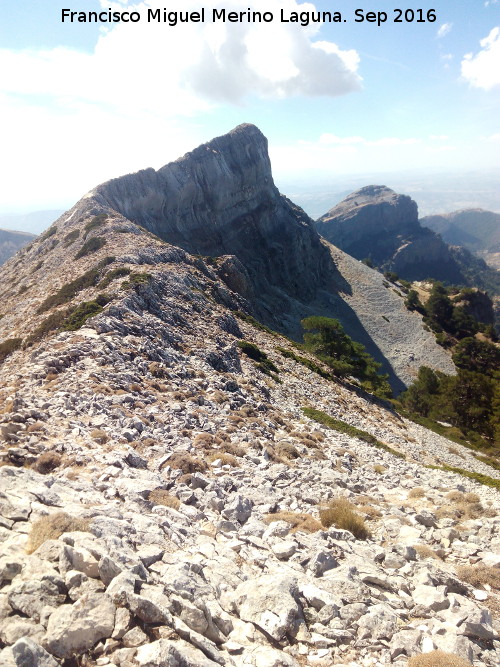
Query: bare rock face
{"points": [[377, 223], [220, 199]]}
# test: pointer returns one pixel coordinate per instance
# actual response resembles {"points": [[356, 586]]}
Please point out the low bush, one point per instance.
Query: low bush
{"points": [[136, 279], [52, 526], [162, 497], [47, 462], [287, 450], [100, 436], [438, 659], [225, 458], [81, 313], [301, 522], [341, 513], [119, 272], [479, 575], [71, 289], [343, 427], [187, 463], [50, 232], [9, 346], [71, 237], [96, 222], [263, 362], [417, 492], [92, 245], [426, 552]]}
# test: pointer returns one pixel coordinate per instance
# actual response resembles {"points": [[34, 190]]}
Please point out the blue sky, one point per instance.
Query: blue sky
{"points": [[81, 103]]}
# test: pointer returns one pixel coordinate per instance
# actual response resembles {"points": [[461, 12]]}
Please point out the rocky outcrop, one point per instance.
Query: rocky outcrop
{"points": [[11, 242], [220, 199], [378, 224]]}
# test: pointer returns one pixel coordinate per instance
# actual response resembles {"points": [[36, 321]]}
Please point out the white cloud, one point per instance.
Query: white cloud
{"points": [[86, 117], [482, 70], [153, 66], [444, 29]]}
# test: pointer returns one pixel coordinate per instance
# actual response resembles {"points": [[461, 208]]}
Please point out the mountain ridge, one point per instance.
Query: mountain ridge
{"points": [[169, 498]]}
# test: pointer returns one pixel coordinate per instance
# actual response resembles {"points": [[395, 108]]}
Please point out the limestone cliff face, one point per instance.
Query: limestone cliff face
{"points": [[220, 199], [377, 223]]}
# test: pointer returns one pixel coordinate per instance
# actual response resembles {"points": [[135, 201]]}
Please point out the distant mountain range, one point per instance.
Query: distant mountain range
{"points": [[11, 241], [34, 222], [475, 229]]}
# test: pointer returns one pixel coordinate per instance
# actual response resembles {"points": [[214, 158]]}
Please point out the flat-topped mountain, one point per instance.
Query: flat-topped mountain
{"points": [[11, 241], [181, 485]]}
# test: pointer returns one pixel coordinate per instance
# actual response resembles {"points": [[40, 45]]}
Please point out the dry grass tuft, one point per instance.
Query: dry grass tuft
{"points": [[185, 462], [233, 449], [162, 497], [417, 492], [301, 522], [47, 462], [472, 498], [341, 513], [52, 526], [287, 451], [425, 552], [455, 496], [379, 469], [479, 575], [226, 459], [203, 440], [438, 659], [100, 436]]}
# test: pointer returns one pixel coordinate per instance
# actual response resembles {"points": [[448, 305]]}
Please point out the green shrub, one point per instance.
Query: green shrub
{"points": [[92, 245], [477, 476], [255, 323], [9, 346], [120, 272], [96, 222], [71, 289], [71, 237], [342, 427], [341, 513], [50, 232], [51, 323], [326, 339], [263, 362], [136, 279], [82, 313], [288, 354]]}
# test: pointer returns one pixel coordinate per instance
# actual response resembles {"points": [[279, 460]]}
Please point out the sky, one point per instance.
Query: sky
{"points": [[81, 103]]}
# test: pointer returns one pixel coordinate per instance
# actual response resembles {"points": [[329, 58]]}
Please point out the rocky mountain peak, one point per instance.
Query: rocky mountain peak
{"points": [[368, 213]]}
